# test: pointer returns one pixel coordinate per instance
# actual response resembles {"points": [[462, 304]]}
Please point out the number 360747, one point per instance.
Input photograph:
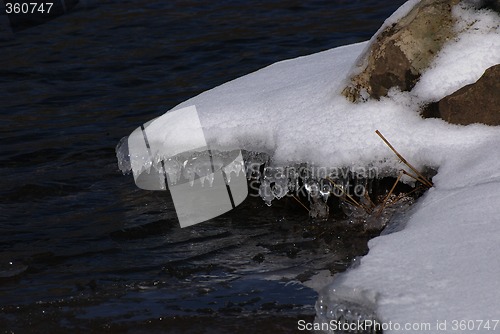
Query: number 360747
{"points": [[28, 7]]}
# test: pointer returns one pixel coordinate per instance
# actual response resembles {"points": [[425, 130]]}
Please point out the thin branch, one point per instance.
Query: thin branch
{"points": [[389, 194], [403, 195], [345, 193], [367, 196], [300, 203], [426, 182], [414, 177]]}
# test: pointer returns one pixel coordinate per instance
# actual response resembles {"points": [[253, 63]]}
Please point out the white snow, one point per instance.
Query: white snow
{"points": [[444, 264], [294, 111], [462, 61]]}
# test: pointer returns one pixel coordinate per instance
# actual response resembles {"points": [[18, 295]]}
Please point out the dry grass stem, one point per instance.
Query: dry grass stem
{"points": [[295, 198], [401, 196], [389, 194], [424, 179], [348, 196], [415, 177], [367, 197]]}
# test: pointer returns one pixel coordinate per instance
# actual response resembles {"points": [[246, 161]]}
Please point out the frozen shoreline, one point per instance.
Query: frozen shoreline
{"points": [[441, 266]]}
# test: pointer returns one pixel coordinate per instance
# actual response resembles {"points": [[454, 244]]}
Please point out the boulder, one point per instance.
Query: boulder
{"points": [[402, 51], [475, 103]]}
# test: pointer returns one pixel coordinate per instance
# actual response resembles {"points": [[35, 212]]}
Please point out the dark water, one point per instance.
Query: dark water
{"points": [[81, 248]]}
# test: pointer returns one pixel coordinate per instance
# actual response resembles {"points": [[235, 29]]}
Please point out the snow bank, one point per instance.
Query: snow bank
{"points": [[442, 267], [293, 109]]}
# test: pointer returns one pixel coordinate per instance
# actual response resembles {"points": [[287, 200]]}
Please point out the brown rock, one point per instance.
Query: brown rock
{"points": [[402, 51], [475, 103]]}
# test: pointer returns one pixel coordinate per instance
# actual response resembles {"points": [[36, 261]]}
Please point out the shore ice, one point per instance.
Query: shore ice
{"points": [[294, 111], [443, 265]]}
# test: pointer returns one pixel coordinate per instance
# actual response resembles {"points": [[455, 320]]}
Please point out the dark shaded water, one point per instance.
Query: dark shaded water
{"points": [[81, 248]]}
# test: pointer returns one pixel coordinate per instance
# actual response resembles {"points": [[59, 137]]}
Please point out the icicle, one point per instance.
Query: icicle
{"points": [[173, 169], [325, 189], [265, 192], [189, 172], [234, 167]]}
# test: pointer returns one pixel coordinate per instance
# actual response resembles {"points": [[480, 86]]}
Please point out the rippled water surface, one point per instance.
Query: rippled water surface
{"points": [[81, 248]]}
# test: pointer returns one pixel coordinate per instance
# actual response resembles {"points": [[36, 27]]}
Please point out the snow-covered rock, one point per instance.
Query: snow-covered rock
{"points": [[441, 266], [401, 51]]}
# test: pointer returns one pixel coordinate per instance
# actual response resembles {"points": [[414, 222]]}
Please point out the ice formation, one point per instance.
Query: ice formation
{"points": [[293, 111], [440, 267], [315, 184], [291, 114], [290, 117]]}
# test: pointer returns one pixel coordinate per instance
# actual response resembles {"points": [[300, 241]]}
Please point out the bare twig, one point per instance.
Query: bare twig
{"points": [[300, 203], [347, 195], [404, 195], [424, 179], [414, 177], [367, 196], [389, 194]]}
